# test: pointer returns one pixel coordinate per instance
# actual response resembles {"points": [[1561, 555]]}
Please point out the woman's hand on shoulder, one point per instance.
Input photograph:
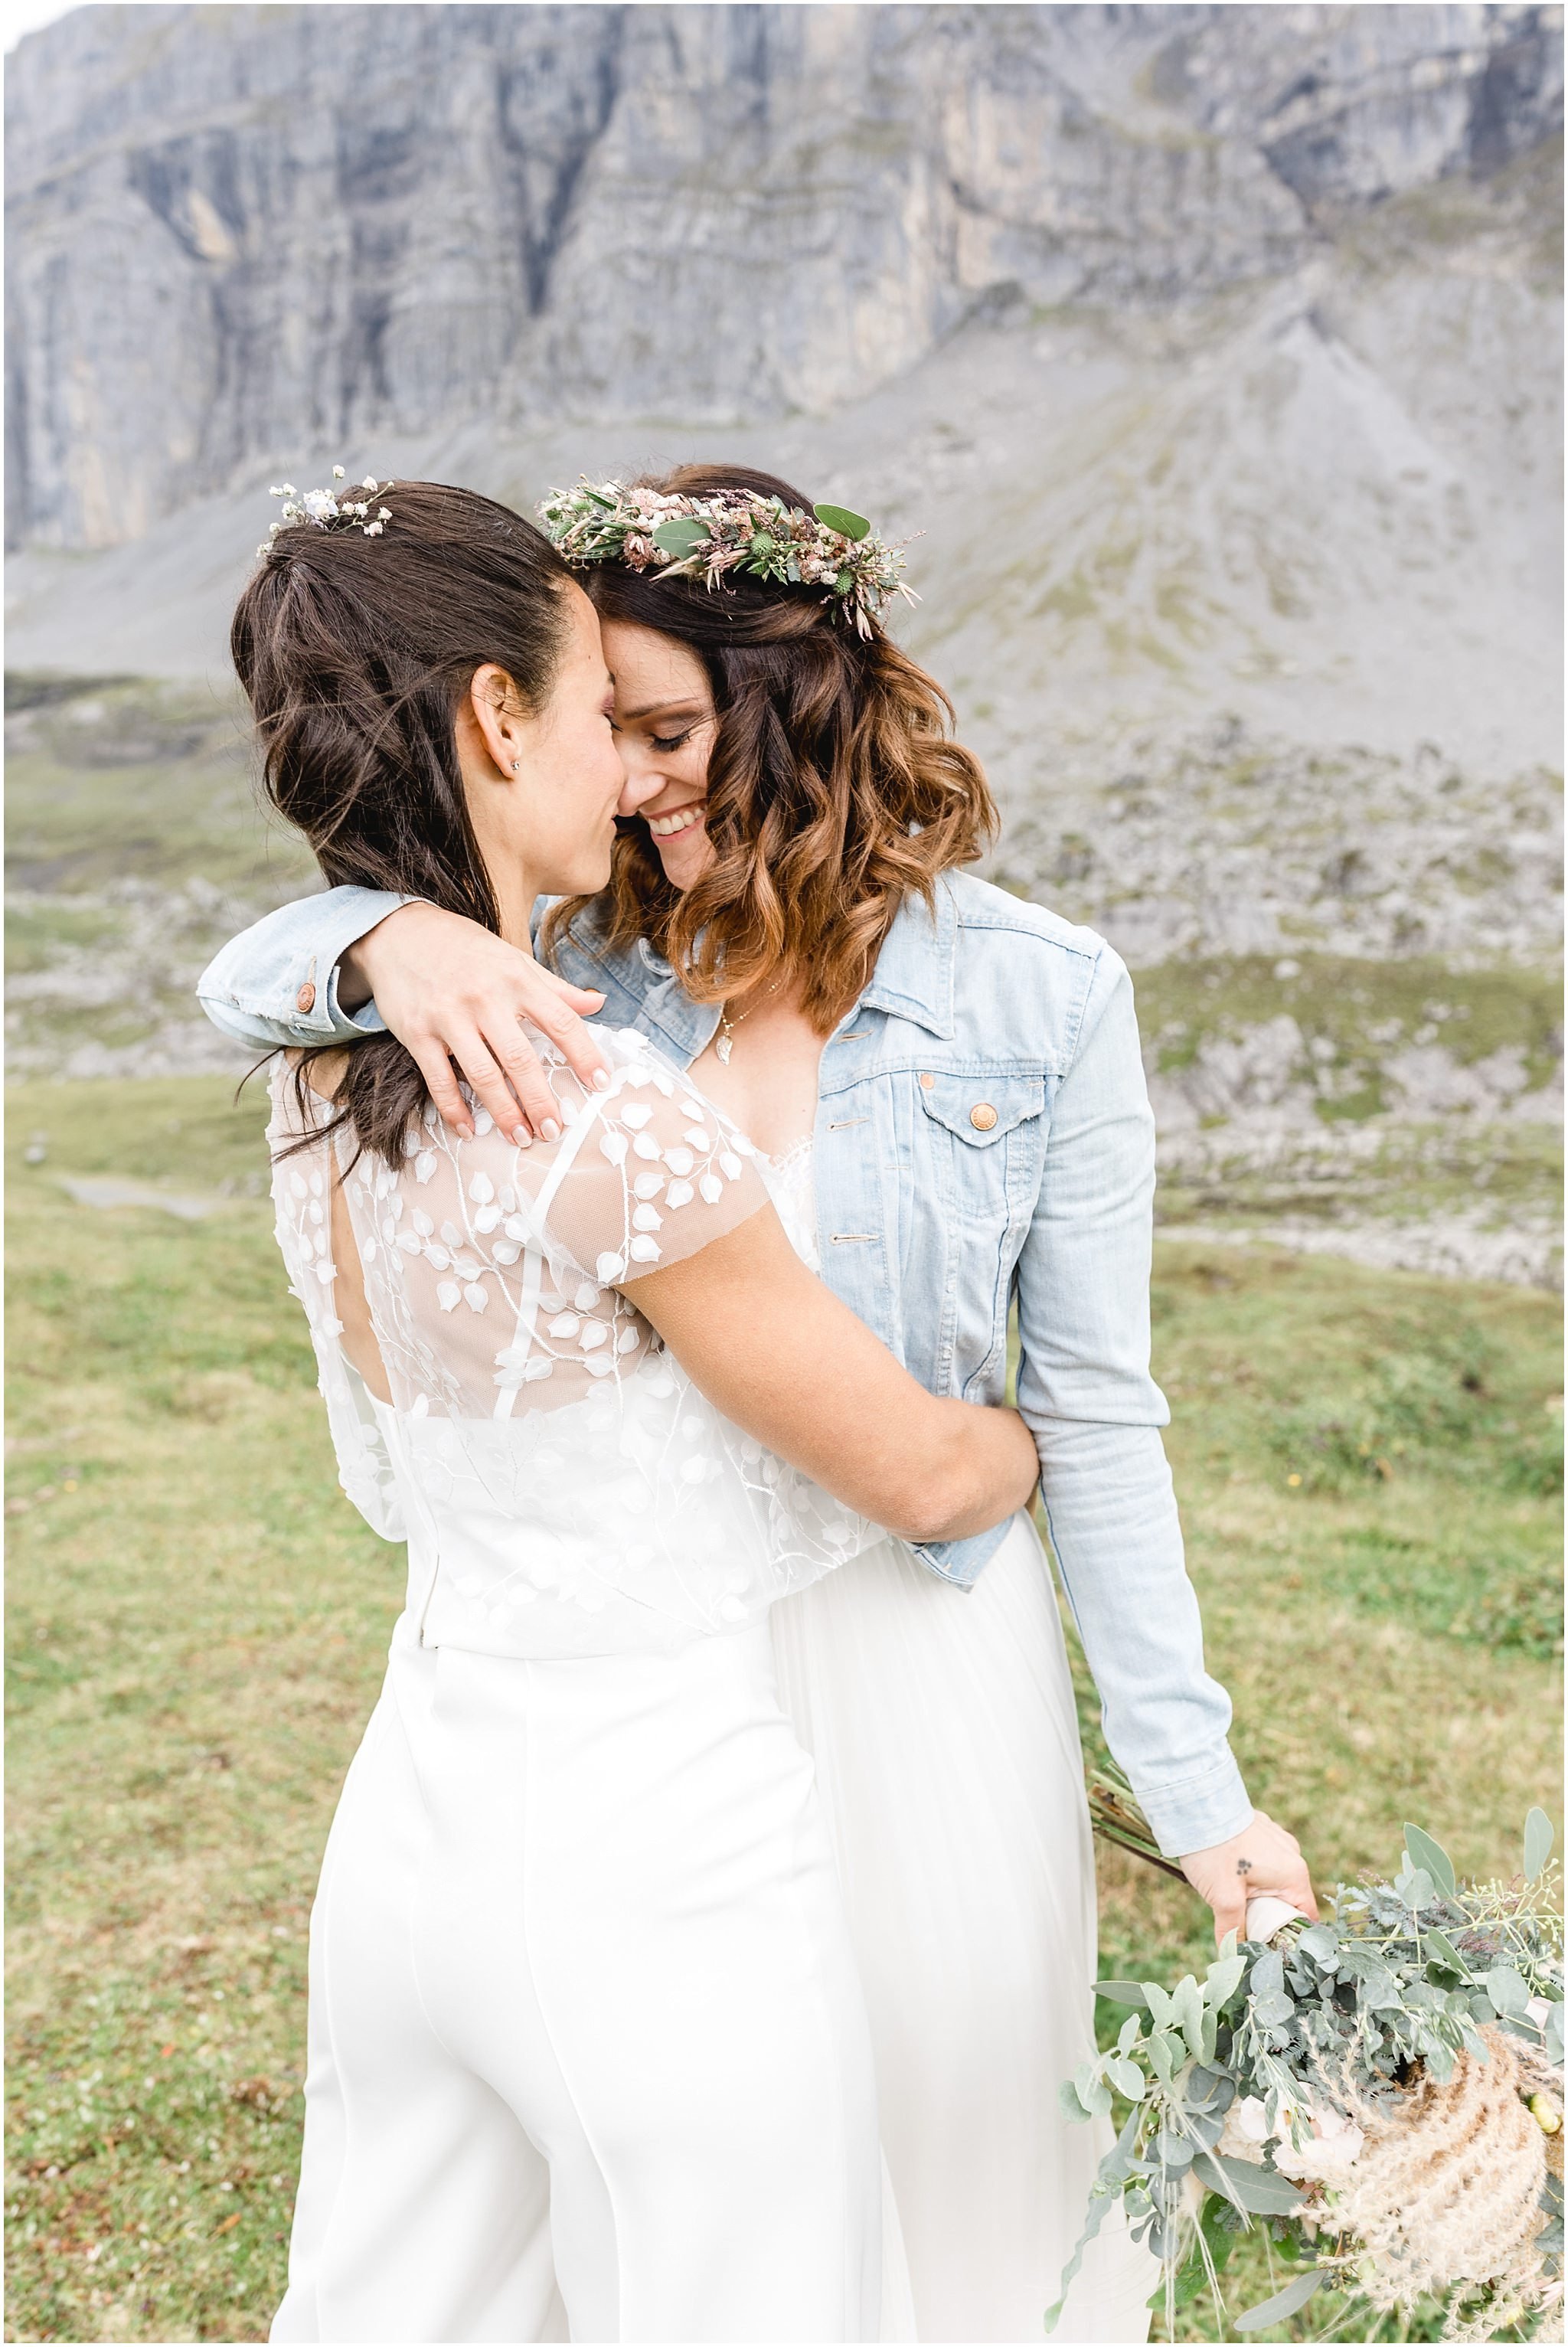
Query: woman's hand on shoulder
{"points": [[453, 994], [1261, 1861]]}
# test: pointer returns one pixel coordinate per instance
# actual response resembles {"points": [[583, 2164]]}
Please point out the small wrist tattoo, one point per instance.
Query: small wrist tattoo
{"points": [[1244, 1866]]}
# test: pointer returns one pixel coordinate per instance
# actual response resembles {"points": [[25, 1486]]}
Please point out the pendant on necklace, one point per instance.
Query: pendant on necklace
{"points": [[721, 1050]]}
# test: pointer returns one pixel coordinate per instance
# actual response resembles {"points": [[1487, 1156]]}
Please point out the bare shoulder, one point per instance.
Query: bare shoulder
{"points": [[323, 1070]]}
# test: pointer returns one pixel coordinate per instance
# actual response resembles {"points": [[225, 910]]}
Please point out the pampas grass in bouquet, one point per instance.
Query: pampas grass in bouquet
{"points": [[1381, 2091]]}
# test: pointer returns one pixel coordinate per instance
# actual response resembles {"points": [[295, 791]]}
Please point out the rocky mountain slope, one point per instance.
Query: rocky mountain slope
{"points": [[232, 228]]}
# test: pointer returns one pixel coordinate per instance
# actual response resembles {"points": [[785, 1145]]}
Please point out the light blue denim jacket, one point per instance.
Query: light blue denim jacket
{"points": [[983, 1134]]}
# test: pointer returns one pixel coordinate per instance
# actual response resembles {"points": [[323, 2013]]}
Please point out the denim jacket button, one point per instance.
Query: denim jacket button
{"points": [[926, 1081], [982, 1116], [306, 997]]}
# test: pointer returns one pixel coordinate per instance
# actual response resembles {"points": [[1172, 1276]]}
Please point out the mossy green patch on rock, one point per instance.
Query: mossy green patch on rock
{"points": [[1355, 1015]]}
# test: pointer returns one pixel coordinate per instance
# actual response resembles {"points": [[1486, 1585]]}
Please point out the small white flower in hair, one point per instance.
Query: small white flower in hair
{"points": [[370, 482], [324, 509]]}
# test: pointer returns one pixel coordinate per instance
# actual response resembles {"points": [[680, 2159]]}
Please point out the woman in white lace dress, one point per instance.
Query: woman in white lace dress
{"points": [[587, 2053]]}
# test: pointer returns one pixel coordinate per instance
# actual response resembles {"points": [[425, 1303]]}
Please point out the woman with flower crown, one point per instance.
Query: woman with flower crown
{"points": [[588, 2046], [946, 1086]]}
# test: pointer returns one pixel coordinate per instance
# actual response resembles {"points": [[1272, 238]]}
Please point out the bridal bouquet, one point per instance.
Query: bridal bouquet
{"points": [[1381, 2092]]}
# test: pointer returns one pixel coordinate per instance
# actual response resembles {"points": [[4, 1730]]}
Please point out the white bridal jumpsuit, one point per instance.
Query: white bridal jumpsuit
{"points": [[588, 2051]]}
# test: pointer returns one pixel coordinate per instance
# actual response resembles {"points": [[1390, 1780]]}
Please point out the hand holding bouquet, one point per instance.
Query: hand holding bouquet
{"points": [[1382, 2089]]}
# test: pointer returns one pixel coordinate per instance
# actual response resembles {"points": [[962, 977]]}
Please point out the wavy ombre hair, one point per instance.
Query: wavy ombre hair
{"points": [[834, 786]]}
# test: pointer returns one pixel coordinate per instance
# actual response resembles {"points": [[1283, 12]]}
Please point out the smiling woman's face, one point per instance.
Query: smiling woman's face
{"points": [[665, 725]]}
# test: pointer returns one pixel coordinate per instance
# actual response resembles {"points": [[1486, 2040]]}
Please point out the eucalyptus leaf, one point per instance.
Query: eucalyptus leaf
{"points": [[1098, 2208], [849, 525], [1122, 1992], [1165, 2053], [1120, 2160], [1554, 2033], [1257, 2189], [680, 536], [1510, 1997], [1113, 2169], [1160, 2002], [1270, 2011], [1172, 2150], [1128, 2035], [1209, 2089], [1422, 1852], [1440, 1946], [1538, 1840], [1223, 1979], [1415, 1886], [1187, 2009], [1284, 2303], [1070, 2102], [1320, 1942], [1126, 2078], [1268, 1974]]}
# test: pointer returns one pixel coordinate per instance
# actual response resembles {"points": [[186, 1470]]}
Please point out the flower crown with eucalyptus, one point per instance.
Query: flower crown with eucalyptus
{"points": [[705, 538], [327, 509]]}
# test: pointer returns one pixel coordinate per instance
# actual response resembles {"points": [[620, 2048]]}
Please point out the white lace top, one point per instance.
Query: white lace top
{"points": [[563, 1487]]}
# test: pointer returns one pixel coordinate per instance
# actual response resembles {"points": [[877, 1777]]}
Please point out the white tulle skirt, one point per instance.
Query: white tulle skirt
{"points": [[948, 1758]]}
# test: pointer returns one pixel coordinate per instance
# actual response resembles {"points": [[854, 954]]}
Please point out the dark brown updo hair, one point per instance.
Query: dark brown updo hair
{"points": [[355, 654], [835, 787]]}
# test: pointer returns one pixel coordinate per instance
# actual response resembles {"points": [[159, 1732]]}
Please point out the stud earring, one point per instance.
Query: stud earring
{"points": [[517, 766]]}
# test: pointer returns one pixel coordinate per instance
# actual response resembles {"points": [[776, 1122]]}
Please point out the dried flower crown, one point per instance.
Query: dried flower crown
{"points": [[704, 538], [323, 508]]}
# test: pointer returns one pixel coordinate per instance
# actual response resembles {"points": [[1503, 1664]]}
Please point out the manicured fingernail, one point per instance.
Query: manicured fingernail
{"points": [[602, 1079], [550, 1130], [522, 1136]]}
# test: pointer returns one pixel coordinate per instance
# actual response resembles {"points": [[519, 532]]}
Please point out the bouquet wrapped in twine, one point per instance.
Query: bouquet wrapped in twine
{"points": [[1381, 2091]]}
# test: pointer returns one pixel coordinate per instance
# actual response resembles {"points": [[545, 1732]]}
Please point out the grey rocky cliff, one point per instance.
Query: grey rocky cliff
{"points": [[237, 231]]}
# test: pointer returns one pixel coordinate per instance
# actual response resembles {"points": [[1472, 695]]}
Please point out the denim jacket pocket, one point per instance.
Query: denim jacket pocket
{"points": [[984, 1136], [981, 1111]]}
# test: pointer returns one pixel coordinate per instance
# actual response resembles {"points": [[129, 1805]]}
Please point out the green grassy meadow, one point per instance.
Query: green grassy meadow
{"points": [[1367, 1463]]}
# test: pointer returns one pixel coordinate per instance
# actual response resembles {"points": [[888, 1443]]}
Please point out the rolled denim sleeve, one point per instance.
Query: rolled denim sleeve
{"points": [[1086, 1393], [276, 982]]}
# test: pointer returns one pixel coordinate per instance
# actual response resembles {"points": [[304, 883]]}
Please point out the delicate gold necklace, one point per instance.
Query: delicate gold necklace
{"points": [[727, 1025]]}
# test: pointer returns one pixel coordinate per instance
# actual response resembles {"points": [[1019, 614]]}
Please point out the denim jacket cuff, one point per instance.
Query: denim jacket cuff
{"points": [[1196, 1811], [279, 981], [367, 1019], [959, 1562]]}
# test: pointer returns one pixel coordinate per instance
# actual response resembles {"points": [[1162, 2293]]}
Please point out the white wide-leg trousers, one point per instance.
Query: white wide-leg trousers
{"points": [[587, 2052]]}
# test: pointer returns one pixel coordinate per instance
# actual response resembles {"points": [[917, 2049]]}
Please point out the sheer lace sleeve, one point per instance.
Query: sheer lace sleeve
{"points": [[302, 1207], [490, 1266]]}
